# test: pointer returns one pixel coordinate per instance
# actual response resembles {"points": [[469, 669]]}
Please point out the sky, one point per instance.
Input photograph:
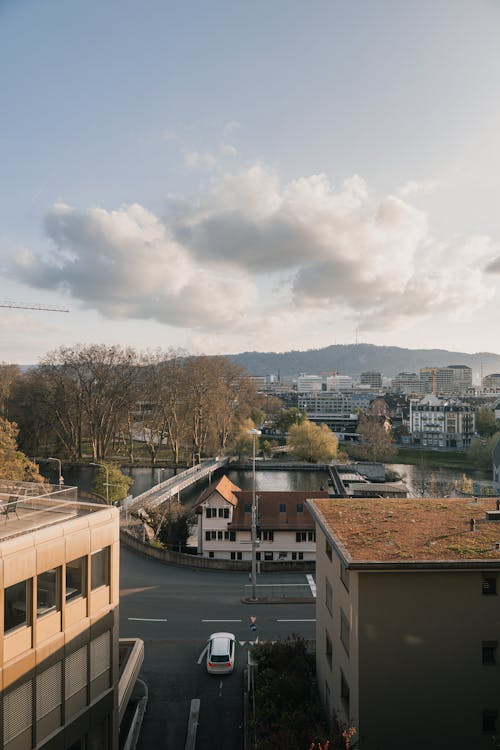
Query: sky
{"points": [[228, 176]]}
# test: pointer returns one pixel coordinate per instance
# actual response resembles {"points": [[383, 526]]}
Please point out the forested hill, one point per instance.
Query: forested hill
{"points": [[353, 359]]}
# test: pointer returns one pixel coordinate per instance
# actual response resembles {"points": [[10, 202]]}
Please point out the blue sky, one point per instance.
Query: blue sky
{"points": [[228, 176]]}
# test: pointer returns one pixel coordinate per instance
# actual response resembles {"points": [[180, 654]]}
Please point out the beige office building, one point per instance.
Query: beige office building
{"points": [[408, 620], [59, 588]]}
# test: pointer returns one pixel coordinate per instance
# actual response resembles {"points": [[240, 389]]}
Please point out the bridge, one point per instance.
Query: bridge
{"points": [[164, 491]]}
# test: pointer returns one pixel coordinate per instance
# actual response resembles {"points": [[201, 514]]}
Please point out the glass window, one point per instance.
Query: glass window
{"points": [[282, 508], [344, 576], [490, 650], [300, 508], [47, 591], [489, 585], [344, 631], [16, 605], [75, 578], [329, 650], [328, 596], [99, 566]]}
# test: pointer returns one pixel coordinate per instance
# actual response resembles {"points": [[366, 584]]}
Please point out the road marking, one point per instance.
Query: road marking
{"points": [[192, 724], [221, 620], [147, 619], [312, 584], [295, 620], [220, 688], [275, 585], [202, 655]]}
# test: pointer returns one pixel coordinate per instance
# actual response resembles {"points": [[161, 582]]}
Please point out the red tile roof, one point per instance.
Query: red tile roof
{"points": [[270, 516], [223, 487]]}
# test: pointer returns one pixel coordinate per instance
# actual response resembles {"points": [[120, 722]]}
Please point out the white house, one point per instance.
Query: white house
{"points": [[285, 527]]}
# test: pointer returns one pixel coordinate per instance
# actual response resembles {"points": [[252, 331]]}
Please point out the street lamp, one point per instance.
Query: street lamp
{"points": [[94, 463], [59, 466], [254, 434]]}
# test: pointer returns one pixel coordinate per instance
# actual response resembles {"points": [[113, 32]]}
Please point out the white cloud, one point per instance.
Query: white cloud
{"points": [[216, 265], [195, 159]]}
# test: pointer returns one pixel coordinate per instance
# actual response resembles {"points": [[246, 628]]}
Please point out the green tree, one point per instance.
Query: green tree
{"points": [[486, 424], [312, 442], [481, 449], [375, 439], [287, 418], [14, 464], [171, 523], [242, 444], [118, 483]]}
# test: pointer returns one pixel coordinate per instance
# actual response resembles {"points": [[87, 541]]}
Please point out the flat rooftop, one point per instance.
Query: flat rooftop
{"points": [[410, 529], [28, 506]]}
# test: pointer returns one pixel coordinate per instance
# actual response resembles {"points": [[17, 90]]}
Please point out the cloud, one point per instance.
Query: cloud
{"points": [[195, 159], [412, 187], [250, 254]]}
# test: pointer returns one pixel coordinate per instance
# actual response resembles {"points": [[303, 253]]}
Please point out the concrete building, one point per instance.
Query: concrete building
{"points": [[59, 657], [285, 526], [492, 381], [437, 423], [408, 383], [373, 379], [462, 378], [309, 383], [336, 382], [407, 621]]}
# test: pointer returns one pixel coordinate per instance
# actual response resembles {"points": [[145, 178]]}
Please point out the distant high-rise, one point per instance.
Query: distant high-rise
{"points": [[373, 379]]}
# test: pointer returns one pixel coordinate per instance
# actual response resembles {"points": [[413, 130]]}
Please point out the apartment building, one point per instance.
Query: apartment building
{"points": [[407, 620], [408, 383], [373, 379], [491, 382], [285, 528], [438, 423], [59, 584]]}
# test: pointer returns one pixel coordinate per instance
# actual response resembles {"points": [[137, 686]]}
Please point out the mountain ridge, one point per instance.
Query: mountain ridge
{"points": [[353, 359]]}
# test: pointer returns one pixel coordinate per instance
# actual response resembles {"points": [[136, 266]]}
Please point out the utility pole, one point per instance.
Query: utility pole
{"points": [[254, 434]]}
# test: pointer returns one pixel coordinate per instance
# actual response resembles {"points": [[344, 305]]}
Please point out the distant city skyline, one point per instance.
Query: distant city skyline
{"points": [[226, 177]]}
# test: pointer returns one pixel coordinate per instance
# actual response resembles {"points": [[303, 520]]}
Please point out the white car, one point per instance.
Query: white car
{"points": [[220, 653]]}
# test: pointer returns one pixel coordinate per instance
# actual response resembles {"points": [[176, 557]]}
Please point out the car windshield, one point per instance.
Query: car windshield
{"points": [[219, 657]]}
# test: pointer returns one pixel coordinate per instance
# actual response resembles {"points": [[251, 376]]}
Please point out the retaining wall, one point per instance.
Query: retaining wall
{"points": [[169, 557]]}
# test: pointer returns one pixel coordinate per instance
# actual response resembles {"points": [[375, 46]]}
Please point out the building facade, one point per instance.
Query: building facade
{"points": [[285, 528], [373, 379], [407, 619], [59, 584], [437, 423]]}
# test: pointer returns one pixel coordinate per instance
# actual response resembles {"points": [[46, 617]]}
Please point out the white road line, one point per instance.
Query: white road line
{"points": [[202, 655], [147, 619], [280, 585], [220, 688], [194, 713], [295, 620], [221, 620], [312, 584]]}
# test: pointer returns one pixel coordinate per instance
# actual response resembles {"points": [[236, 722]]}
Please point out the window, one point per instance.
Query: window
{"points": [[328, 649], [328, 549], [490, 717], [490, 652], [99, 568], [47, 591], [268, 555], [344, 576], [282, 555], [207, 536], [225, 513], [297, 555], [75, 578], [489, 585], [282, 508], [344, 631], [219, 536], [328, 596], [311, 536], [221, 512], [211, 553], [300, 508], [16, 605], [248, 508], [300, 536], [232, 536], [210, 512], [267, 536], [344, 692], [257, 555], [236, 555]]}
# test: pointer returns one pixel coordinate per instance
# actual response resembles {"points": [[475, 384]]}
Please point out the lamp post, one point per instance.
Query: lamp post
{"points": [[254, 434], [59, 466], [94, 463]]}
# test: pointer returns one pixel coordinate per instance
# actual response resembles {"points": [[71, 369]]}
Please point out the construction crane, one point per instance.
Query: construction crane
{"points": [[30, 306]]}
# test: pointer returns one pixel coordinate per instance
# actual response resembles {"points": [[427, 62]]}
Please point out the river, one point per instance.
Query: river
{"points": [[144, 478]]}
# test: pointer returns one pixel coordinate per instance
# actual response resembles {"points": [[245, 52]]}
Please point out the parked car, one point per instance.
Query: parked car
{"points": [[220, 653]]}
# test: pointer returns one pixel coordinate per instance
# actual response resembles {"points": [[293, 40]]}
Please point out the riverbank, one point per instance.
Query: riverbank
{"points": [[436, 459]]}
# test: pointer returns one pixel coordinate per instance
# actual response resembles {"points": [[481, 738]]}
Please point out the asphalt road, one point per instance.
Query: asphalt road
{"points": [[174, 610]]}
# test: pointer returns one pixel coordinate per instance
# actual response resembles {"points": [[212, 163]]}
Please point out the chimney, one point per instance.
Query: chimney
{"points": [[472, 523]]}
